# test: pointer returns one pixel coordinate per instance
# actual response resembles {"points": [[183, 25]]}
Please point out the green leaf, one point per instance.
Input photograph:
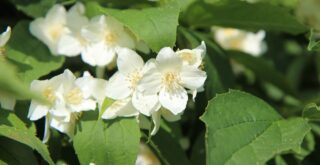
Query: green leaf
{"points": [[239, 15], [107, 142], [239, 124], [155, 26], [31, 57], [13, 128], [34, 8], [311, 111], [11, 85]]}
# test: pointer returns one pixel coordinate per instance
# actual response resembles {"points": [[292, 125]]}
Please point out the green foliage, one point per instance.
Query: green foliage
{"points": [[239, 124], [239, 15], [32, 58], [13, 128], [107, 142], [155, 26], [34, 8], [11, 85]]}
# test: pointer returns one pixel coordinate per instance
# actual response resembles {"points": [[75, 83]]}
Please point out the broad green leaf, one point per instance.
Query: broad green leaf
{"points": [[13, 128], [107, 142], [263, 69], [31, 57], [239, 124], [155, 26], [240, 15], [11, 85], [34, 8]]}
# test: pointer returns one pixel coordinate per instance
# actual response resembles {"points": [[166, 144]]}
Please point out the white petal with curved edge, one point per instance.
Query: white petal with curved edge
{"points": [[165, 54], [37, 111], [150, 82], [85, 105], [192, 78], [175, 100], [128, 61], [46, 134], [76, 18], [118, 87], [145, 104], [98, 54], [156, 118], [69, 46], [120, 108], [57, 13], [4, 37]]}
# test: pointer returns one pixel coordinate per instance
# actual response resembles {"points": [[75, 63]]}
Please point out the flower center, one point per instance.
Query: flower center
{"points": [[188, 57], [134, 78], [74, 96], [229, 32], [49, 95], [170, 79], [55, 32], [110, 38]]}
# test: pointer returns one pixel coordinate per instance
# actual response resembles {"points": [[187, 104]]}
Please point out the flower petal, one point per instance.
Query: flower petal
{"points": [[150, 82], [46, 133], [98, 54], [4, 37], [192, 77], [37, 111], [120, 108], [69, 45], [175, 100], [145, 104], [128, 61], [118, 87], [165, 54]]}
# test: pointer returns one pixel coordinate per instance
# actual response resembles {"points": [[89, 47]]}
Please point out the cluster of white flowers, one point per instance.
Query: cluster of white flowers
{"points": [[68, 97], [156, 88], [6, 101], [71, 33], [236, 39]]}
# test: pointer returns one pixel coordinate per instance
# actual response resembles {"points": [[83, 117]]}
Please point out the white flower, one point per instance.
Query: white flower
{"points": [[122, 85], [193, 57], [51, 28], [166, 114], [106, 35], [67, 101], [236, 39], [72, 44], [93, 87], [169, 78]]}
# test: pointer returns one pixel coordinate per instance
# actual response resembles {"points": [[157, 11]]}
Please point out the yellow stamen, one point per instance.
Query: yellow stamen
{"points": [[48, 94], [74, 96], [111, 38]]}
